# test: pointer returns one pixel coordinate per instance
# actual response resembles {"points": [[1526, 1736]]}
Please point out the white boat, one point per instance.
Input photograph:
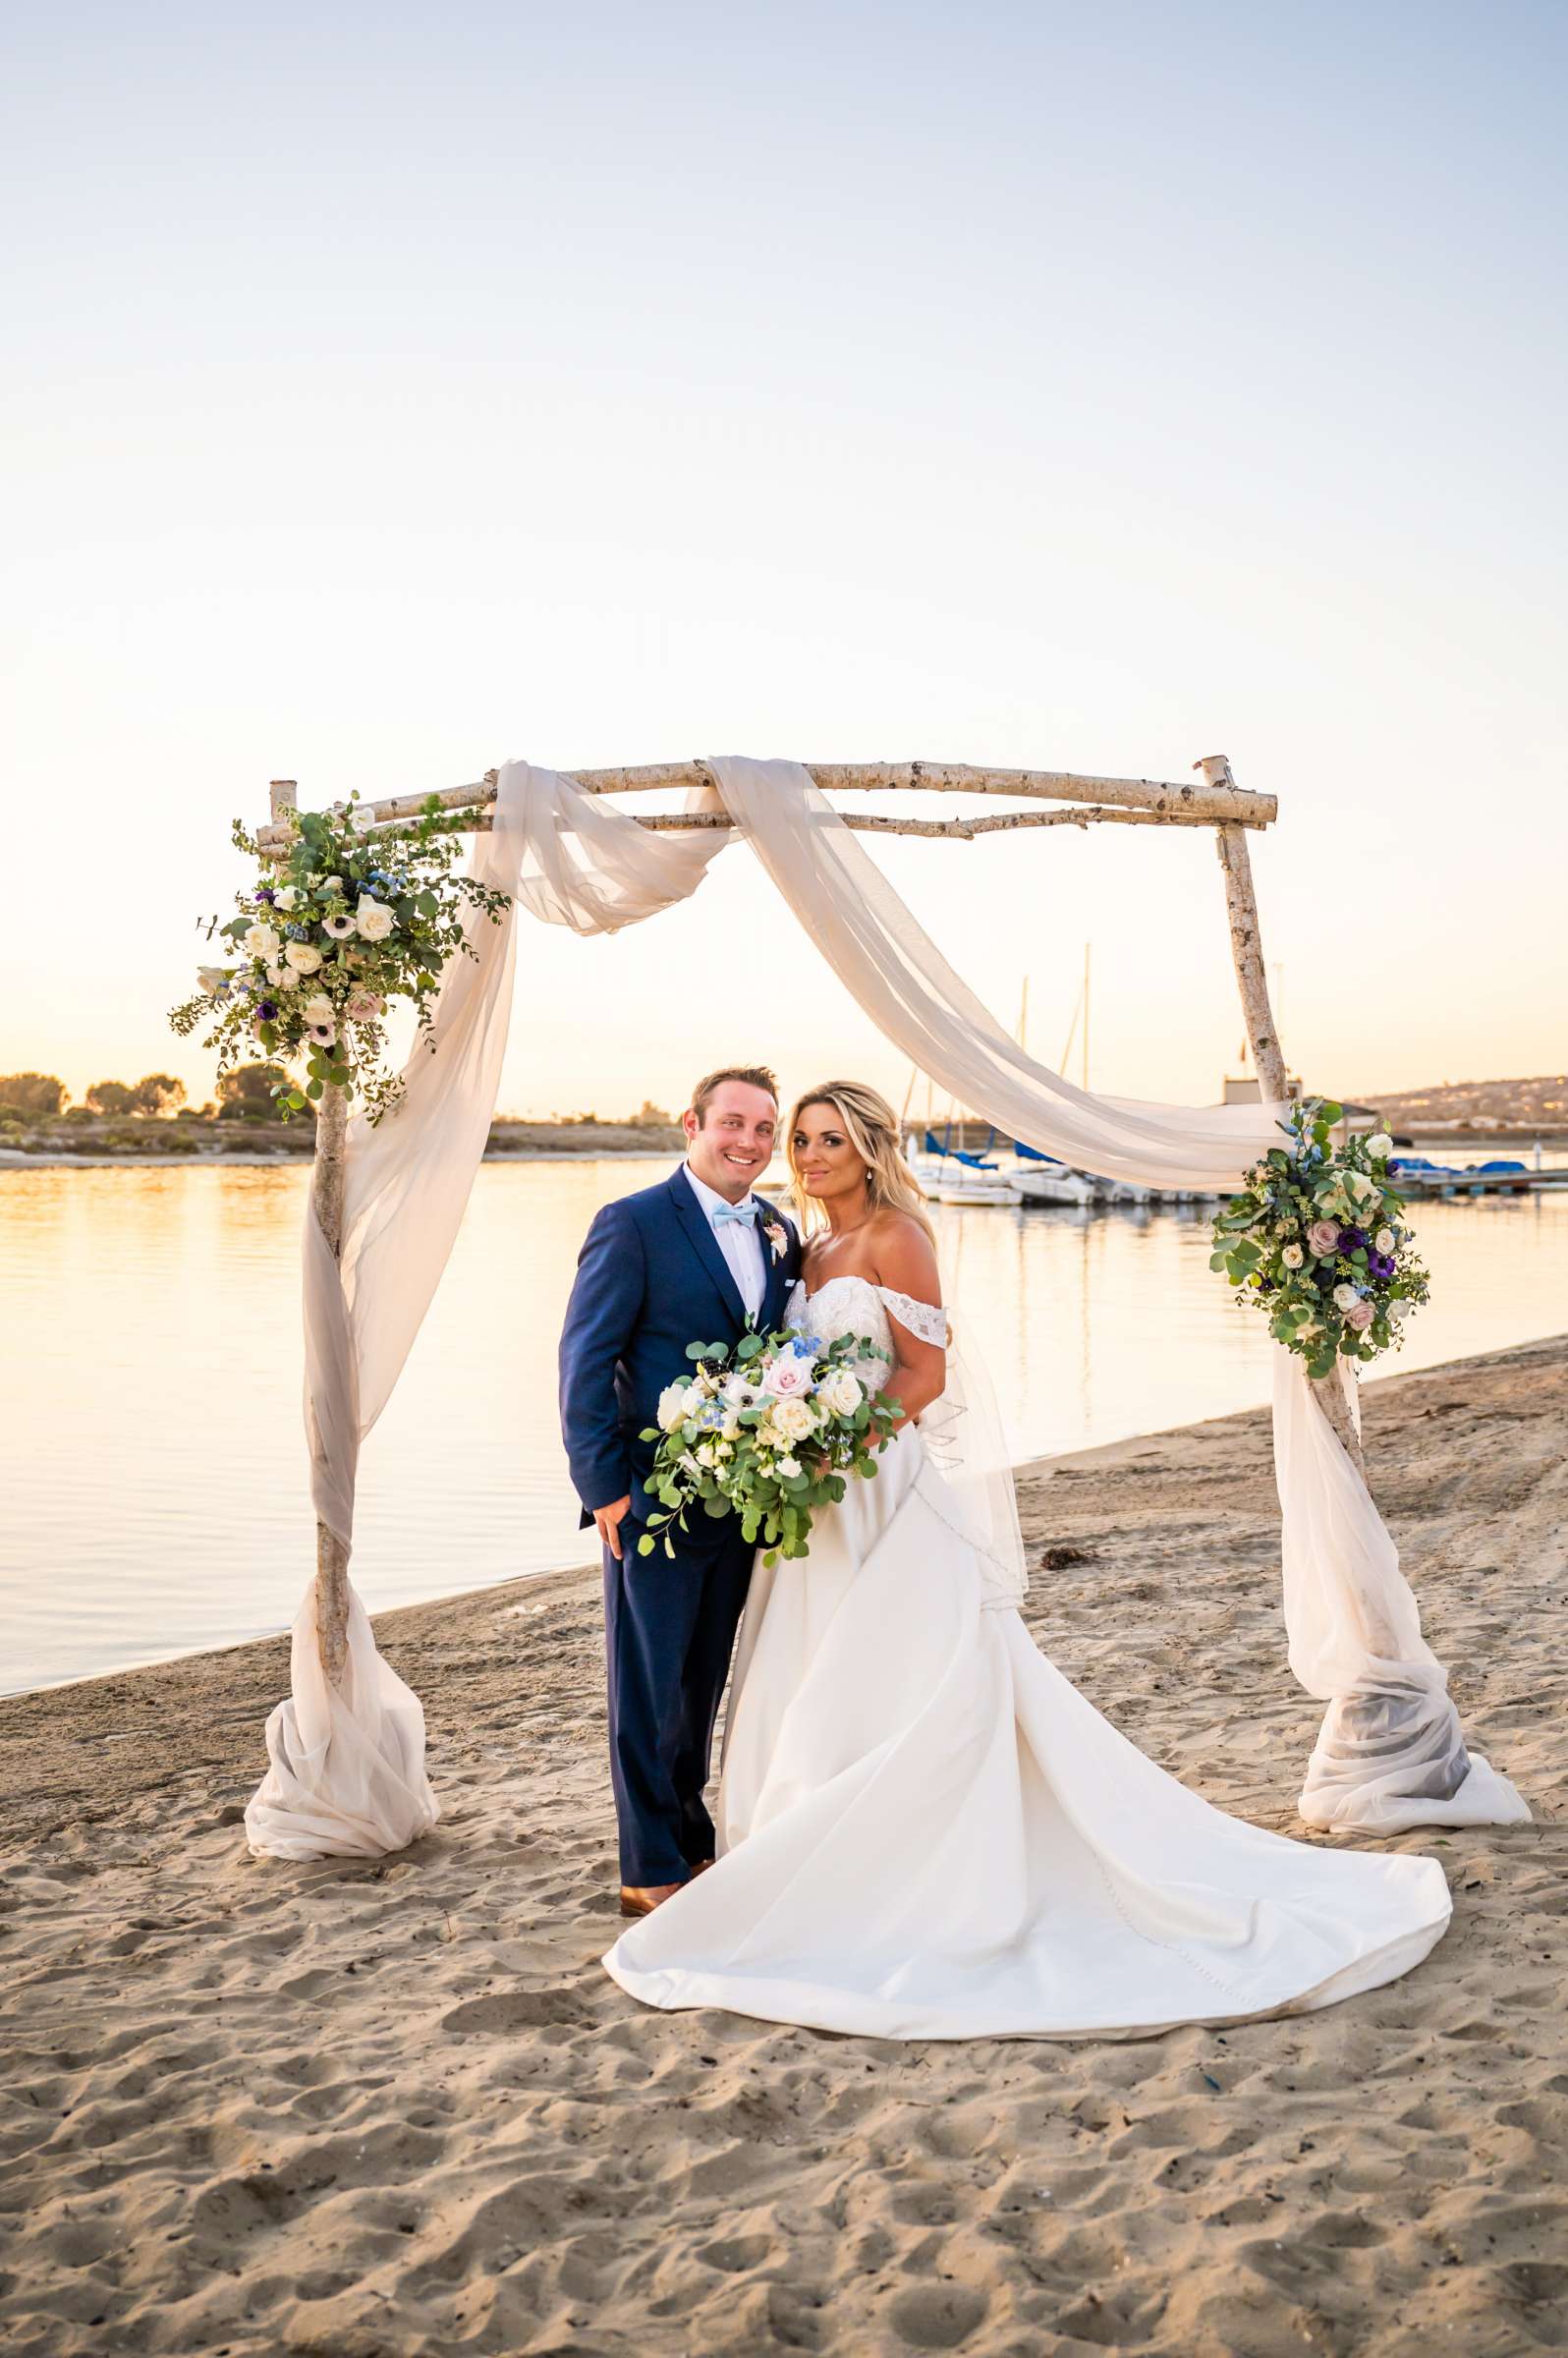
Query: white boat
{"points": [[972, 1190], [1051, 1183], [955, 1178]]}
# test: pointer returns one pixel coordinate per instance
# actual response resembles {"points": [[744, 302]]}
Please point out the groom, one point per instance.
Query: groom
{"points": [[697, 1258]]}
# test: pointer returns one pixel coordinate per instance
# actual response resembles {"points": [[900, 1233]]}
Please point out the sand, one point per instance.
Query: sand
{"points": [[399, 2108]]}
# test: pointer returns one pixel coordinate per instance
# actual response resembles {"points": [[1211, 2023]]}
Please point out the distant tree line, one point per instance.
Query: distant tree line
{"points": [[244, 1095]]}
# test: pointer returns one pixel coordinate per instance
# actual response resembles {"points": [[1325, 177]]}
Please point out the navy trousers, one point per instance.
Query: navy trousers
{"points": [[669, 1630]]}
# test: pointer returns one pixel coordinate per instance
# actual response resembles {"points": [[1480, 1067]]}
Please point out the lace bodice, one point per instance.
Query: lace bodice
{"points": [[855, 1306]]}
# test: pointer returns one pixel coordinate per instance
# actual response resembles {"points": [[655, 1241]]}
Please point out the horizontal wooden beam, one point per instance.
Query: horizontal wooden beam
{"points": [[958, 830], [1131, 802]]}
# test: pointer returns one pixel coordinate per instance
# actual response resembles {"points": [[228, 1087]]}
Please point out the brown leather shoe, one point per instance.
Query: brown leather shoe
{"points": [[640, 1899]]}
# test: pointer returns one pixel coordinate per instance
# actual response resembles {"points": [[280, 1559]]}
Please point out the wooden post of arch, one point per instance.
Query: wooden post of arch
{"points": [[1269, 1057], [326, 1206]]}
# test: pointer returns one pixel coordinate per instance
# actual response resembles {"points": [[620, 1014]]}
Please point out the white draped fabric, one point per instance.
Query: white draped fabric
{"points": [[347, 1767], [1390, 1753]]}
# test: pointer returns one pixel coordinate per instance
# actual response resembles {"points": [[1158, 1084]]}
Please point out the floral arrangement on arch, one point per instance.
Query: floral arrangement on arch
{"points": [[1318, 1238], [346, 920]]}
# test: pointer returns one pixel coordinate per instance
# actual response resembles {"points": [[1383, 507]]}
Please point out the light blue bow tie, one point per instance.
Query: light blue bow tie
{"points": [[746, 1213]]}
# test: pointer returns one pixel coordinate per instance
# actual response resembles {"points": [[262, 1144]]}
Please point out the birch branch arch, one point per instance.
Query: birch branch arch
{"points": [[347, 1749]]}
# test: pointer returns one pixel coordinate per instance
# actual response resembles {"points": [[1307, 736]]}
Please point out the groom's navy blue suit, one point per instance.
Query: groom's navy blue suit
{"points": [[650, 1279]]}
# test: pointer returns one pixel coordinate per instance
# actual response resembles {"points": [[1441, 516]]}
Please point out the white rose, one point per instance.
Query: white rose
{"points": [[841, 1394], [261, 941], [281, 976], [792, 1420], [671, 1410], [1399, 1308], [332, 885], [1384, 1240], [374, 919], [318, 1011], [361, 818], [1293, 1257], [789, 1467], [285, 897], [304, 957], [1379, 1144], [1346, 1297], [213, 978], [1360, 1186]]}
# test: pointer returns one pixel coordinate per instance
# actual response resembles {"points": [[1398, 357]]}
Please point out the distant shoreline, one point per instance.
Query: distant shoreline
{"points": [[289, 1157], [544, 1141], [105, 1146]]}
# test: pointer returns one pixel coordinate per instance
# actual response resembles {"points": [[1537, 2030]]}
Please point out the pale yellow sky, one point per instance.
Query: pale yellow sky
{"points": [[398, 396]]}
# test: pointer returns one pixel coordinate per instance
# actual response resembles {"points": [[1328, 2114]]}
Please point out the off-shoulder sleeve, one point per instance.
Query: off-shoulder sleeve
{"points": [[925, 1320]]}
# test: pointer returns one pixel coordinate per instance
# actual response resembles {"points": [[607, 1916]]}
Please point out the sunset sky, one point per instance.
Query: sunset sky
{"points": [[391, 391]]}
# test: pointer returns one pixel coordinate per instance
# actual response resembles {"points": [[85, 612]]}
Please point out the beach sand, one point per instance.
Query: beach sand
{"points": [[399, 2108]]}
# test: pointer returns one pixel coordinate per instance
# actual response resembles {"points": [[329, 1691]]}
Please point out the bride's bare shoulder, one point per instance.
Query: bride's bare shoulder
{"points": [[905, 1256]]}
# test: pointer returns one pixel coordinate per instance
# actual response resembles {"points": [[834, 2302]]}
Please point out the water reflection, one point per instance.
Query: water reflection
{"points": [[154, 1497]]}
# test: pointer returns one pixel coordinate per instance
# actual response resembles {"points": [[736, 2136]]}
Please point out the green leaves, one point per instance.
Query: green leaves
{"points": [[327, 864], [1286, 1191]]}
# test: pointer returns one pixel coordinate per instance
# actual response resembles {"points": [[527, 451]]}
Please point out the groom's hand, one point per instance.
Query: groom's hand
{"points": [[608, 1519]]}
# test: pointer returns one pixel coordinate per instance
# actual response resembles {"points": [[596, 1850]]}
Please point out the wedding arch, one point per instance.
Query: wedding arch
{"points": [[346, 1771]]}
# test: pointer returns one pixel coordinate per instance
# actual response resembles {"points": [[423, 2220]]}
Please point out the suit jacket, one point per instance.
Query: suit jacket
{"points": [[650, 1279]]}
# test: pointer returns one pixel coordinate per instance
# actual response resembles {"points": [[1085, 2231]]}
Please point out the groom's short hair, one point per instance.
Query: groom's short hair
{"points": [[754, 1076]]}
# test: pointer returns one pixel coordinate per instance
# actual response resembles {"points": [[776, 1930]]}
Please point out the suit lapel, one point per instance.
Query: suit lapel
{"points": [[704, 1244]]}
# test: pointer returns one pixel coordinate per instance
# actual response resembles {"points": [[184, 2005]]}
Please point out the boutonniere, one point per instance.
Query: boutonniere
{"points": [[777, 1238]]}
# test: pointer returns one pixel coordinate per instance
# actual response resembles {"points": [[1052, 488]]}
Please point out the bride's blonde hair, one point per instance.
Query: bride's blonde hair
{"points": [[872, 1127]]}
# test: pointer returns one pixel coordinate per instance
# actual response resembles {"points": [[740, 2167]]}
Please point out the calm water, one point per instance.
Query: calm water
{"points": [[153, 1465]]}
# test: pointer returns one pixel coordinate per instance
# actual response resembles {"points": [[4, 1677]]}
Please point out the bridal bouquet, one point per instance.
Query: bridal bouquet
{"points": [[349, 917], [768, 1433], [1317, 1239]]}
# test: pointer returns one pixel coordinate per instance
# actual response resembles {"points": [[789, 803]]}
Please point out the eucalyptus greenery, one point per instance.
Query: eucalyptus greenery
{"points": [[1317, 1239], [767, 1432], [348, 921]]}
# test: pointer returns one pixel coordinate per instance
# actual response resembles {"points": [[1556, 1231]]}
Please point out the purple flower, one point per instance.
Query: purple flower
{"points": [[266, 1009], [1352, 1240], [1380, 1265], [264, 893]]}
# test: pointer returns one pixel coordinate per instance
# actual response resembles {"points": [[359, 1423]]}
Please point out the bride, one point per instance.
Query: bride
{"points": [[925, 1830]]}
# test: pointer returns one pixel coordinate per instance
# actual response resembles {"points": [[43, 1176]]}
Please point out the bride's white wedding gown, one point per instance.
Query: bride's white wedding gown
{"points": [[926, 1832]]}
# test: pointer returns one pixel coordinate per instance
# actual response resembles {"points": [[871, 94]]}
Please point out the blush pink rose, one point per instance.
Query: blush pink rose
{"points": [[1361, 1318], [1321, 1238], [788, 1379]]}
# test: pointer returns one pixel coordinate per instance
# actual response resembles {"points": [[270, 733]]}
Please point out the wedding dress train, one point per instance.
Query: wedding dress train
{"points": [[926, 1832]]}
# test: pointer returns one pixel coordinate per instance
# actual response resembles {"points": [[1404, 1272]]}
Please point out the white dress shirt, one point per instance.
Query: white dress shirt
{"points": [[742, 1247]]}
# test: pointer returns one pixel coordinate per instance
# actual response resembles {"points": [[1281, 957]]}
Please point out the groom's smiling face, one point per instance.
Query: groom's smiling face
{"points": [[730, 1144]]}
